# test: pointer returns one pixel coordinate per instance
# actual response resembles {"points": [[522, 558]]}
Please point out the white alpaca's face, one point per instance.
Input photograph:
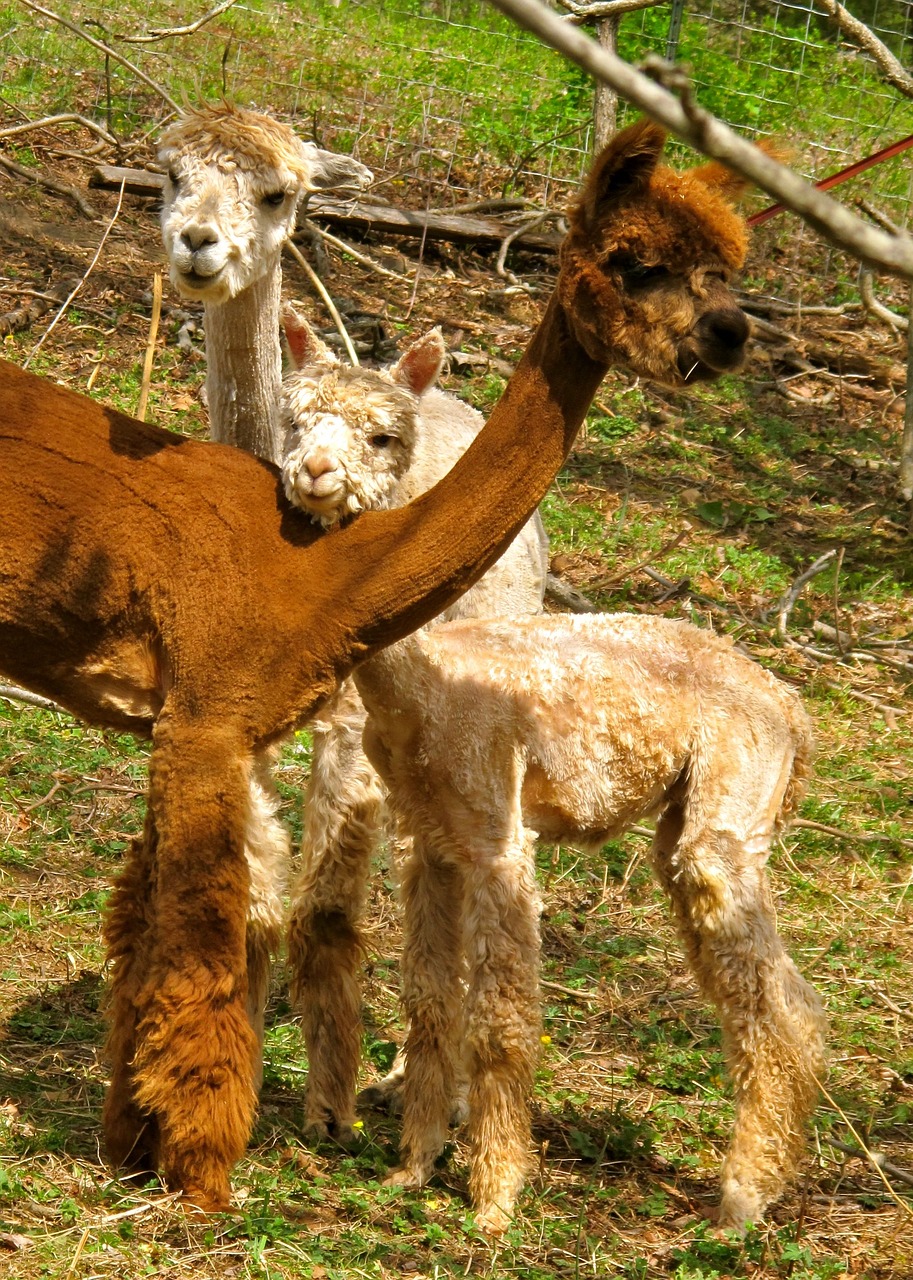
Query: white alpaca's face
{"points": [[223, 227], [350, 437]]}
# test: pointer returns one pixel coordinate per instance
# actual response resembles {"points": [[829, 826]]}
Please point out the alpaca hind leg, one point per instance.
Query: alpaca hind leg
{"points": [[195, 1055], [341, 819], [772, 1019], [131, 1135], [431, 889], [267, 851], [502, 1025]]}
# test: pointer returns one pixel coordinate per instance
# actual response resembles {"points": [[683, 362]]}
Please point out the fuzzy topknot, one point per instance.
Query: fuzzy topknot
{"points": [[231, 137]]}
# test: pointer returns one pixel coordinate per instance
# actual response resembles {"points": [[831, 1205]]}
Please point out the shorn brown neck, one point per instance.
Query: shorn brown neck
{"points": [[416, 560]]}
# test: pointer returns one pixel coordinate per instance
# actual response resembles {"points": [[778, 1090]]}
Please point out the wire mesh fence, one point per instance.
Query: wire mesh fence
{"points": [[450, 103]]}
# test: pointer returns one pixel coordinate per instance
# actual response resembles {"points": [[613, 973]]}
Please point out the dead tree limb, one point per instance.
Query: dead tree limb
{"points": [[681, 114], [866, 39]]}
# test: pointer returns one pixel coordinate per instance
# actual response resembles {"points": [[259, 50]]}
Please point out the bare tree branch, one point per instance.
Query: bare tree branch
{"points": [[68, 117], [588, 12], [42, 179], [106, 49], [166, 33], [866, 39], [682, 115]]}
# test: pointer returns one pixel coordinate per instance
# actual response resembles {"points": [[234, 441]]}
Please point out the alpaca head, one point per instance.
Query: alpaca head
{"points": [[645, 269], [234, 181], [350, 434]]}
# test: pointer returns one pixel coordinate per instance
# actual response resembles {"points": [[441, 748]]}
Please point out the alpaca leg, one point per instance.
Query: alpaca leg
{"points": [[772, 1019], [431, 890], [502, 1025], [267, 851], [341, 820], [131, 1134], [195, 1050]]}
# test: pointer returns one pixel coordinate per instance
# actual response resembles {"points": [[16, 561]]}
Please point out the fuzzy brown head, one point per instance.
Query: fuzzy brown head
{"points": [[646, 267]]}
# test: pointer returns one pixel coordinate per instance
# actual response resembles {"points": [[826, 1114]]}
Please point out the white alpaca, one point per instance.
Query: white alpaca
{"points": [[489, 734], [235, 179], [360, 439]]}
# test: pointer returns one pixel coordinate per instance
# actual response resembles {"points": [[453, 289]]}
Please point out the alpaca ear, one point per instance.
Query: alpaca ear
{"points": [[623, 167], [419, 367], [303, 344], [328, 171], [731, 185]]}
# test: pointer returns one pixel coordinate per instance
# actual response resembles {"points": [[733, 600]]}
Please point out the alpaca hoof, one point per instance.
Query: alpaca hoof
{"points": [[740, 1207], [338, 1132], [492, 1220], [199, 1203], [405, 1177], [382, 1096]]}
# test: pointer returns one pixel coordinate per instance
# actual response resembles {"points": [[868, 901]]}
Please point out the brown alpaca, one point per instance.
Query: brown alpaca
{"points": [[165, 587], [658, 305]]}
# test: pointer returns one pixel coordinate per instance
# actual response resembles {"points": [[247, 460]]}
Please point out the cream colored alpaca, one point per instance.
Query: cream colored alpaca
{"points": [[490, 734], [235, 179], [661, 304], [359, 439]]}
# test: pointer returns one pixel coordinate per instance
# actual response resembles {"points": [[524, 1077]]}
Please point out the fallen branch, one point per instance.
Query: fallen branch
{"points": [[874, 1157], [67, 117], [15, 694], [42, 179], [344, 247], [787, 604], [864, 837]]}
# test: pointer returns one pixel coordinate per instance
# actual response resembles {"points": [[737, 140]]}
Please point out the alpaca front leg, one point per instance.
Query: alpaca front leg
{"points": [[131, 1135], [431, 890], [341, 820], [195, 1050], [502, 1024], [772, 1019]]}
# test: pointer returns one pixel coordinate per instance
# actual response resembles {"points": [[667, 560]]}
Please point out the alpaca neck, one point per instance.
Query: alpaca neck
{"points": [[393, 677], [244, 368], [415, 561]]}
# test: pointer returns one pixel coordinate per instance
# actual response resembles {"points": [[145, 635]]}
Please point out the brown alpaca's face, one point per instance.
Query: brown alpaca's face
{"points": [[647, 267]]}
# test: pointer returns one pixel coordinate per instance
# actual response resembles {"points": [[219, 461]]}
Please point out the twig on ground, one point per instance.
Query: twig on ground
{"points": [[604, 584], [787, 604], [66, 117], [42, 179], [875, 308], [150, 346], [345, 247], [73, 292], [864, 837], [24, 317], [327, 300], [168, 33], [568, 597], [15, 694], [105, 49], [863, 1153], [530, 224]]}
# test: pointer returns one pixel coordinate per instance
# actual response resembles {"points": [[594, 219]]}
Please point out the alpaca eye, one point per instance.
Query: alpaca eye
{"points": [[381, 441], [274, 199], [636, 272]]}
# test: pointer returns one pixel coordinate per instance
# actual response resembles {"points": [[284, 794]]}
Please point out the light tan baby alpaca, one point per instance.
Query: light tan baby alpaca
{"points": [[361, 439], [489, 734]]}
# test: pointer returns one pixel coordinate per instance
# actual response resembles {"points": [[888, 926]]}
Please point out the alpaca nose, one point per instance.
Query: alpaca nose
{"points": [[319, 464], [728, 328], [197, 235]]}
